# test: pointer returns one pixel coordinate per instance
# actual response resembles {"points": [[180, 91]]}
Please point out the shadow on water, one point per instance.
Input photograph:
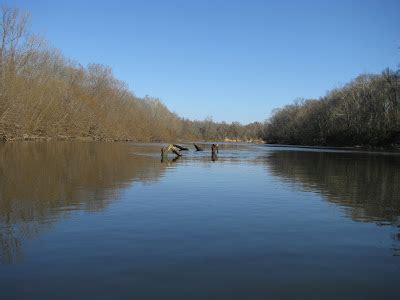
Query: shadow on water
{"points": [[41, 182]]}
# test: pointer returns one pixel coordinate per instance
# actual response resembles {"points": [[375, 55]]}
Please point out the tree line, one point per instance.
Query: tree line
{"points": [[45, 95], [364, 112]]}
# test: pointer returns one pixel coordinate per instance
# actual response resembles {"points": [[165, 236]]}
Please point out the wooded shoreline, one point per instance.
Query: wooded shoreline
{"points": [[45, 96], [32, 138], [365, 112]]}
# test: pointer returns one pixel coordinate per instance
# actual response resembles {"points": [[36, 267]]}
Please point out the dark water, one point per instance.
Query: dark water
{"points": [[110, 221]]}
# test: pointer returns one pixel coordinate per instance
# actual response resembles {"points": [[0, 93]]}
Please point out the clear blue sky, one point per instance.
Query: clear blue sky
{"points": [[232, 60]]}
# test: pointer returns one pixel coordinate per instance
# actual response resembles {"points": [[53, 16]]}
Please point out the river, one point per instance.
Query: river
{"points": [[85, 220]]}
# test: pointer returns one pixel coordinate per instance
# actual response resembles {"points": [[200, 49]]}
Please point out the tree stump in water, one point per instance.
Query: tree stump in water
{"points": [[170, 148], [214, 148]]}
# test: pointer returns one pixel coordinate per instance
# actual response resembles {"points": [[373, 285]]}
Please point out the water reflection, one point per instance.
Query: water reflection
{"points": [[42, 181], [214, 156], [367, 185], [168, 160]]}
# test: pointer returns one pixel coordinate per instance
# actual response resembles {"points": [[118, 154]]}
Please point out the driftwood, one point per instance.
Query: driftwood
{"points": [[198, 148], [180, 147], [170, 148]]}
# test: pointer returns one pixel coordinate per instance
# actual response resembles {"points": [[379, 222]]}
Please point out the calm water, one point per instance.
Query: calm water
{"points": [[110, 221]]}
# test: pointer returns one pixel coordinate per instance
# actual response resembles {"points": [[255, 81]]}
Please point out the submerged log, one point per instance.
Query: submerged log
{"points": [[198, 148], [170, 148], [180, 147]]}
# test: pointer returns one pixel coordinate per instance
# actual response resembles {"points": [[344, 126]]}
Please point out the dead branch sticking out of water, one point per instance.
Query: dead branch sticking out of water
{"points": [[181, 147], [198, 148]]}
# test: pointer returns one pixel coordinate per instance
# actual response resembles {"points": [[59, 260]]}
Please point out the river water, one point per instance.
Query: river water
{"points": [[111, 220]]}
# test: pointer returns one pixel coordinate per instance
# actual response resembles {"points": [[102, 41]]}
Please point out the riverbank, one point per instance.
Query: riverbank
{"points": [[36, 138]]}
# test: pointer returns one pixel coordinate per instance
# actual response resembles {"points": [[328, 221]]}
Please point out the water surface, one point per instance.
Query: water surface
{"points": [[111, 220]]}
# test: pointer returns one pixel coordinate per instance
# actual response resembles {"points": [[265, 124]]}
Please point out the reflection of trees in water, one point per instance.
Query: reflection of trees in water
{"points": [[10, 245], [43, 181], [12, 235], [367, 184]]}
